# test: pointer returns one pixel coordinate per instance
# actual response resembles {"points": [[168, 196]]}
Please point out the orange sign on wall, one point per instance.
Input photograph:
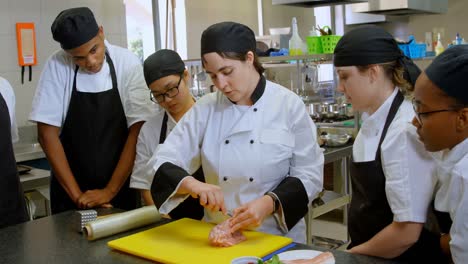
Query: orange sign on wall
{"points": [[26, 41]]}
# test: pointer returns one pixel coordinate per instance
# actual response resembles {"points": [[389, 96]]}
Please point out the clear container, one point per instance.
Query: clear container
{"points": [[296, 45]]}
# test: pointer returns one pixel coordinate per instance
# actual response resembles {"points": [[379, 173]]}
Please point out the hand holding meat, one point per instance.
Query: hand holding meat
{"points": [[252, 214], [211, 196], [221, 235]]}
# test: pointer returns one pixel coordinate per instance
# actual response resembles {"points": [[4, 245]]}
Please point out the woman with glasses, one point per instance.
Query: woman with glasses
{"points": [[254, 139], [168, 81], [441, 106], [391, 192]]}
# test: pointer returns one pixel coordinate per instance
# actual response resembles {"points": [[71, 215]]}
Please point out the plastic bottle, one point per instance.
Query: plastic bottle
{"points": [[458, 39], [295, 42], [439, 47]]}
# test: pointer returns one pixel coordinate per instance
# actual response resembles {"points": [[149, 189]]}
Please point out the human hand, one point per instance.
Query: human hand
{"points": [[252, 214], [95, 198], [210, 196]]}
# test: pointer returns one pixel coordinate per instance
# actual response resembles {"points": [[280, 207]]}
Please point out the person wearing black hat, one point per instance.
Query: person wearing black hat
{"points": [[253, 139], [441, 106], [12, 203], [168, 81], [389, 170], [90, 103]]}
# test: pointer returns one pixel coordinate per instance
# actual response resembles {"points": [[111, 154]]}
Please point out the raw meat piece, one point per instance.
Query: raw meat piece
{"points": [[221, 236], [324, 258]]}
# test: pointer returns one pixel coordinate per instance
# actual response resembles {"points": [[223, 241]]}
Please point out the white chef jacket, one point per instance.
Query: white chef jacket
{"points": [[8, 94], [452, 196], [408, 168], [247, 151], [53, 93], [148, 141]]}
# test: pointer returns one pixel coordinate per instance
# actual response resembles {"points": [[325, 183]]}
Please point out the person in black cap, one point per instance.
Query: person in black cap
{"points": [[253, 139], [441, 106], [390, 167], [90, 103], [168, 81], [12, 202]]}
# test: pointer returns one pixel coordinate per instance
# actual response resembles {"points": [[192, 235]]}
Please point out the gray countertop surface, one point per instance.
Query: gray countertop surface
{"points": [[53, 239]]}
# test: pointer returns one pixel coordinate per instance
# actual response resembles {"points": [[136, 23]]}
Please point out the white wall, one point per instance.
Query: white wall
{"points": [[109, 13], [203, 13]]}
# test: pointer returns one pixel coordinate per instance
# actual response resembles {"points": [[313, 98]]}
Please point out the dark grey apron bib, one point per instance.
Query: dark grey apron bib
{"points": [[93, 137], [191, 207], [369, 210], [12, 204]]}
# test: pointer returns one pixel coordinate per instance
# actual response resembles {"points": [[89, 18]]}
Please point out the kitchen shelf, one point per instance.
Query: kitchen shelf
{"points": [[314, 57], [332, 201]]}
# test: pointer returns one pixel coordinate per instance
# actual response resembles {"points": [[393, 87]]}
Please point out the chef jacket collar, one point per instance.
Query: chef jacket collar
{"points": [[258, 92]]}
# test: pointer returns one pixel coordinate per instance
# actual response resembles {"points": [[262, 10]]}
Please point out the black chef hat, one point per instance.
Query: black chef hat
{"points": [[161, 64], [74, 27], [228, 37], [449, 71], [367, 45]]}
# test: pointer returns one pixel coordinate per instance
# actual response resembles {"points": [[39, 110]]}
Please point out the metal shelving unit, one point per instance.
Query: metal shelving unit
{"points": [[313, 57]]}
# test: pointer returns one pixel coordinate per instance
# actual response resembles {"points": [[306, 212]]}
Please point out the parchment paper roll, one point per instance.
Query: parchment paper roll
{"points": [[121, 222]]}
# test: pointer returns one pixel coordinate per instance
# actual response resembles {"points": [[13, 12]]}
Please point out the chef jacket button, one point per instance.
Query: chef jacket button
{"points": [[255, 109], [227, 141], [251, 179], [251, 141], [225, 178]]}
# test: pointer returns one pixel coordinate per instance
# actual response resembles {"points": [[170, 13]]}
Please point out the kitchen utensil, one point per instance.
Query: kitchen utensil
{"points": [[186, 241], [82, 217], [121, 222], [23, 169], [335, 140]]}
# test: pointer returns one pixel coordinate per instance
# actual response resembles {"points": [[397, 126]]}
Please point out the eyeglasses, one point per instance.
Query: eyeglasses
{"points": [[420, 115], [171, 93]]}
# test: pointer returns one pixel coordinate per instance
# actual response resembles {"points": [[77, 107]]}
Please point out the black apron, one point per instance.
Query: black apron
{"points": [[93, 137], [369, 210], [12, 204], [191, 207]]}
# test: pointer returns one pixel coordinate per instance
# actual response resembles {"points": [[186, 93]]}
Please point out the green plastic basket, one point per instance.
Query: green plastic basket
{"points": [[329, 43], [314, 45]]}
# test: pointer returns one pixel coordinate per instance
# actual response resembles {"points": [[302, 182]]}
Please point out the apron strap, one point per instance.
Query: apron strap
{"points": [[162, 135], [391, 115]]}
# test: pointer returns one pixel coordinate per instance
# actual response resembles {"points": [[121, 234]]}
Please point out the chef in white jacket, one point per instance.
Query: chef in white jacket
{"points": [[441, 106], [253, 138], [168, 83]]}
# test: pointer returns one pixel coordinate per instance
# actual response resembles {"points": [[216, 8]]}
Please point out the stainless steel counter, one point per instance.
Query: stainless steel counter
{"points": [[27, 151], [35, 179], [337, 153]]}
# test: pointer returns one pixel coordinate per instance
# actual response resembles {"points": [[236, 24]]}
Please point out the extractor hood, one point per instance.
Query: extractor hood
{"points": [[315, 3], [402, 7]]}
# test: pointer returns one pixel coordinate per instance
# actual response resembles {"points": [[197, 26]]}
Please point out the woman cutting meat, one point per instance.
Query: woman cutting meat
{"points": [[253, 138], [390, 167]]}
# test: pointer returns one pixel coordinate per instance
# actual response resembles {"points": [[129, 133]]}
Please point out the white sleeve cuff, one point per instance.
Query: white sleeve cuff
{"points": [[174, 199], [279, 215]]}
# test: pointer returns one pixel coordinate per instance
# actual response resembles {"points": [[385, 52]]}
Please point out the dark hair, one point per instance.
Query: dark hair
{"points": [[241, 57], [394, 71]]}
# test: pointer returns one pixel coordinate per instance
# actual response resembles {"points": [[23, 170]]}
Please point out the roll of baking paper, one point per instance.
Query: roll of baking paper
{"points": [[121, 222]]}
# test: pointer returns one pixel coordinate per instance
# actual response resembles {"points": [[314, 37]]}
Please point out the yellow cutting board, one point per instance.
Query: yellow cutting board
{"points": [[186, 241]]}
